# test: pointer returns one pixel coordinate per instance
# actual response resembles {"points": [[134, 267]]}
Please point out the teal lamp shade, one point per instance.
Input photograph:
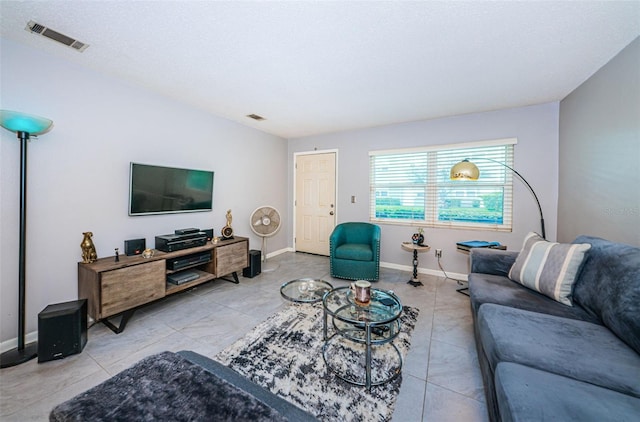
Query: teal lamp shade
{"points": [[22, 122]]}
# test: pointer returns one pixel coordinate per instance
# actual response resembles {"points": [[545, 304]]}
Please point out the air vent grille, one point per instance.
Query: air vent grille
{"points": [[36, 28]]}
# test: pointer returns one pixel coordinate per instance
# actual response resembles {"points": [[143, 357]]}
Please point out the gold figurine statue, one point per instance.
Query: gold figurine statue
{"points": [[229, 218], [88, 249], [227, 231]]}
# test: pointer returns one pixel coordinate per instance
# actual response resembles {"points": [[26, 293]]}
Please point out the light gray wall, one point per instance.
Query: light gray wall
{"points": [[78, 173], [599, 163], [536, 157]]}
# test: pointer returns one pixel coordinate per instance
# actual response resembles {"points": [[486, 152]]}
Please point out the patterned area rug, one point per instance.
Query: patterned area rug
{"points": [[284, 355]]}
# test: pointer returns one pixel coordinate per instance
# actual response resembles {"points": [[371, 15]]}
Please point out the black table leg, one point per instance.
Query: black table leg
{"points": [[126, 315], [414, 281], [235, 278]]}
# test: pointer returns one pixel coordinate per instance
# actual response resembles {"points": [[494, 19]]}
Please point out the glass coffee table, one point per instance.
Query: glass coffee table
{"points": [[357, 329], [305, 290]]}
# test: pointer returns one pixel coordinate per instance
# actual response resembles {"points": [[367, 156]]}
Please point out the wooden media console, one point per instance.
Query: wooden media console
{"points": [[113, 288]]}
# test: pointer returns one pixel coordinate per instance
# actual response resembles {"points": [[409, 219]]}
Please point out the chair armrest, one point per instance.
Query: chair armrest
{"points": [[492, 261], [375, 239], [336, 239]]}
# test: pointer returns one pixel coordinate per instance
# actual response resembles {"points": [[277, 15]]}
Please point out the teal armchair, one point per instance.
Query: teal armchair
{"points": [[355, 251]]}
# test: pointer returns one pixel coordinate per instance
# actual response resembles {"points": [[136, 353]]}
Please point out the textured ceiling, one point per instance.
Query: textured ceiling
{"points": [[318, 67]]}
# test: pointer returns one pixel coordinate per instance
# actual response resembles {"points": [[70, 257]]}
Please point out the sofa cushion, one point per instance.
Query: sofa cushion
{"points": [[485, 288], [548, 267], [525, 394], [354, 252], [609, 287], [576, 349]]}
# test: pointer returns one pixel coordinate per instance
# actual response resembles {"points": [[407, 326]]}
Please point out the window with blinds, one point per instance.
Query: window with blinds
{"points": [[413, 186]]}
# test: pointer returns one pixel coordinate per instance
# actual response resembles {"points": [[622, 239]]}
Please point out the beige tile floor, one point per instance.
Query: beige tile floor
{"points": [[441, 379]]}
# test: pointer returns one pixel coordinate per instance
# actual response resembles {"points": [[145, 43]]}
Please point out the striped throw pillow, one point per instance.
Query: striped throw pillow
{"points": [[548, 267]]}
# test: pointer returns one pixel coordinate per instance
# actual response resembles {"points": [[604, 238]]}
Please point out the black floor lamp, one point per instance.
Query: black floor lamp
{"points": [[25, 126], [466, 170]]}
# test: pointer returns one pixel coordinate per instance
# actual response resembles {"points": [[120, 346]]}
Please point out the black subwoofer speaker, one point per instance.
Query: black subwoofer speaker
{"points": [[254, 267], [62, 330]]}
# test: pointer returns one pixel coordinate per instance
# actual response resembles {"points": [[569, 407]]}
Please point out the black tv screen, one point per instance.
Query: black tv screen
{"points": [[163, 190]]}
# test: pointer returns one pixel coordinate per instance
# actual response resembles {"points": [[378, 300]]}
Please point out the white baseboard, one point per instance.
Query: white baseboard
{"points": [[409, 268], [279, 252], [429, 271], [13, 342]]}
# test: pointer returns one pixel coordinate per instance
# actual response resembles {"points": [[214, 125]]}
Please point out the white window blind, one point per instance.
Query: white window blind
{"points": [[412, 186]]}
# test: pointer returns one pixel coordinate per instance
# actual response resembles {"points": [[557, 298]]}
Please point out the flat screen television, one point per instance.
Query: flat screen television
{"points": [[164, 190]]}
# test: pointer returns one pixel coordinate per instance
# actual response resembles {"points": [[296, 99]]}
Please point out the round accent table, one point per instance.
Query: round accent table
{"points": [[305, 290], [412, 247], [358, 327]]}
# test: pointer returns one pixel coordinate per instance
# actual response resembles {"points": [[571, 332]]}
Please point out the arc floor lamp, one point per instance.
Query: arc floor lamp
{"points": [[25, 126], [466, 170]]}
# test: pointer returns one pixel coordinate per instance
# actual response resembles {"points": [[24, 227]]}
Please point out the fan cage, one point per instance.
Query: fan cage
{"points": [[258, 221]]}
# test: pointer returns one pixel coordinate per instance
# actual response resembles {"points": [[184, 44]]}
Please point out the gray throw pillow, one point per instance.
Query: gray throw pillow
{"points": [[548, 267]]}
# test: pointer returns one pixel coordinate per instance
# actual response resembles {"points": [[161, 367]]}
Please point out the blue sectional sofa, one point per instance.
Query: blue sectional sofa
{"points": [[545, 360]]}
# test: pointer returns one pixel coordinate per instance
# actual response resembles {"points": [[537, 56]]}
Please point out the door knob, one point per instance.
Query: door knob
{"points": [[331, 213]]}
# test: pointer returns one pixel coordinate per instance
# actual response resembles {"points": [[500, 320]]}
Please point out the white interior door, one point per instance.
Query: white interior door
{"points": [[315, 201]]}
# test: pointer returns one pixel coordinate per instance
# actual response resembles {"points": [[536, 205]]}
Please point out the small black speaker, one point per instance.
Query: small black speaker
{"points": [[134, 246], [62, 330], [254, 267], [209, 233]]}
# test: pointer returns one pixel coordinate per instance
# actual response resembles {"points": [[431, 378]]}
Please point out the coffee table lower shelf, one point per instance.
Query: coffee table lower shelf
{"points": [[347, 363]]}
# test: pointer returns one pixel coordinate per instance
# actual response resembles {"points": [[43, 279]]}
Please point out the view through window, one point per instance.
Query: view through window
{"points": [[413, 186]]}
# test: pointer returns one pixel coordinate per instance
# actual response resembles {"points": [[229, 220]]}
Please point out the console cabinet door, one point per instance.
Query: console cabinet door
{"points": [[126, 288], [231, 258]]}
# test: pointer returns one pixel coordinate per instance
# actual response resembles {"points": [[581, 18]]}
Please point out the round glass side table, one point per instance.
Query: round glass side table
{"points": [[305, 290]]}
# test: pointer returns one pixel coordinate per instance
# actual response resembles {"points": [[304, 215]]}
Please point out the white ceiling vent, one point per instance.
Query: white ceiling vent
{"points": [[36, 28]]}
